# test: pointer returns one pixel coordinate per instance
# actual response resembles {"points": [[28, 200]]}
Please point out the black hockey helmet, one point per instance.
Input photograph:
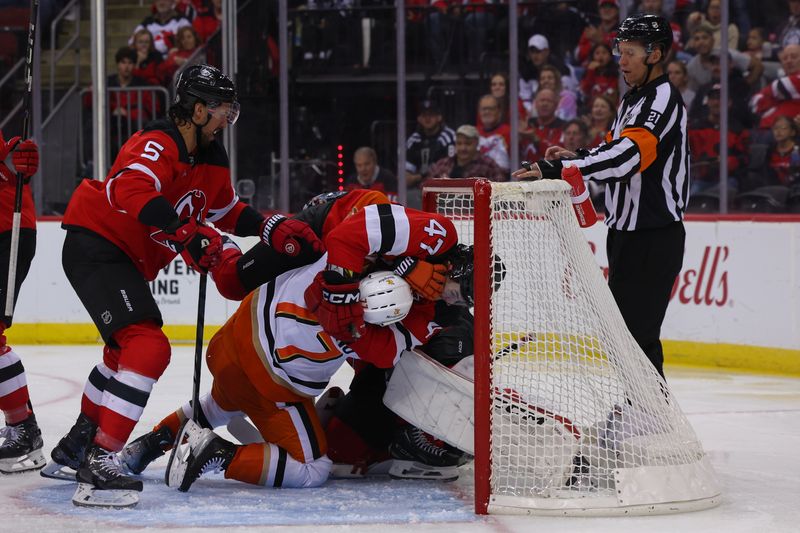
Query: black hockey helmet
{"points": [[462, 267], [650, 30], [206, 84]]}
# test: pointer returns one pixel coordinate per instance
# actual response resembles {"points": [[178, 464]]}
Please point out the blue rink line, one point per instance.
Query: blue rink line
{"points": [[215, 501]]}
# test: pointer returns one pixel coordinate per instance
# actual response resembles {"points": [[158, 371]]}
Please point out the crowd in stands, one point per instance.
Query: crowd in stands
{"points": [[569, 83], [570, 87]]}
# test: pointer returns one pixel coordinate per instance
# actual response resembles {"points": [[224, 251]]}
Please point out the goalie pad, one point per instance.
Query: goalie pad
{"points": [[440, 401], [434, 398]]}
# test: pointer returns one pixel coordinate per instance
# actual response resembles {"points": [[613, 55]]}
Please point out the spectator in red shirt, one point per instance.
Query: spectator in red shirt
{"points": [[602, 74], [782, 96], [783, 161], [207, 23], [187, 42], [369, 175], [147, 58], [704, 140], [495, 134], [603, 33], [468, 162], [545, 129], [601, 115]]}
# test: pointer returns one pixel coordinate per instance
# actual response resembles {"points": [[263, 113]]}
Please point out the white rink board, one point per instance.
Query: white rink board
{"points": [[740, 285]]}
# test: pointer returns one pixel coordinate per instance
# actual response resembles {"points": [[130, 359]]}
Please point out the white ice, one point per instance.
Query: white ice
{"points": [[749, 426]]}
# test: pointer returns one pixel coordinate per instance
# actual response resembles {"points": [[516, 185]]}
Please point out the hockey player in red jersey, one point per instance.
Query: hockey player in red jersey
{"points": [[167, 181], [21, 448]]}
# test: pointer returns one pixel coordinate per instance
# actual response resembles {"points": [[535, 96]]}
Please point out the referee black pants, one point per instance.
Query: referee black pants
{"points": [[642, 267]]}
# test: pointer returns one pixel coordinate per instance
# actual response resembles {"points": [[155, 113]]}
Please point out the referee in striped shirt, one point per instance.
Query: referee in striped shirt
{"points": [[644, 164]]}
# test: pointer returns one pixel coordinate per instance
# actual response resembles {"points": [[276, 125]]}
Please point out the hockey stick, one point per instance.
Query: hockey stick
{"points": [[180, 450], [26, 123]]}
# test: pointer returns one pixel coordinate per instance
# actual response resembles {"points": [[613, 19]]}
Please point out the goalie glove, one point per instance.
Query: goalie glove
{"points": [[336, 301], [426, 279], [286, 235]]}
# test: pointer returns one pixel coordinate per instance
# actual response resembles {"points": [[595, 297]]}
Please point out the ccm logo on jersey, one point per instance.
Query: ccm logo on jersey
{"points": [[340, 298]]}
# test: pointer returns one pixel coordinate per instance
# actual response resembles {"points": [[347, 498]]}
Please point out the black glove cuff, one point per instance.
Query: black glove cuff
{"points": [[551, 170]]}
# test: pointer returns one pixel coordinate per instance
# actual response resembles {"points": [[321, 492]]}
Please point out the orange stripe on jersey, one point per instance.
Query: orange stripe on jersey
{"points": [[295, 312], [647, 143], [609, 138], [291, 352]]}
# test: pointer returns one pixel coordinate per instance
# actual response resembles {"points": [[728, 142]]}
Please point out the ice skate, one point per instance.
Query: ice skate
{"points": [[137, 455], [201, 451], [102, 482], [71, 450], [21, 449], [417, 455]]}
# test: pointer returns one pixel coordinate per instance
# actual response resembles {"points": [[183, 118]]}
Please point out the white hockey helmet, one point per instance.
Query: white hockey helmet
{"points": [[386, 298]]}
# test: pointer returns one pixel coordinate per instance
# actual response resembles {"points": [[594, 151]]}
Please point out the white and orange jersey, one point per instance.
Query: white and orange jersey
{"points": [[277, 340]]}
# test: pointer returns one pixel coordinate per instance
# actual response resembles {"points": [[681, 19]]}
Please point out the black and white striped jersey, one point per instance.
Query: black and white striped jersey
{"points": [[644, 162], [423, 151]]}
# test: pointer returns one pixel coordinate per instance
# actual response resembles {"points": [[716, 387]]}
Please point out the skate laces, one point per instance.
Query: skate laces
{"points": [[110, 463], [422, 440], [10, 433]]}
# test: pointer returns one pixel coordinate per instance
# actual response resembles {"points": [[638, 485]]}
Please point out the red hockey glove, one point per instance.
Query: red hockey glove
{"points": [[199, 245], [26, 158], [285, 235], [337, 303], [426, 279]]}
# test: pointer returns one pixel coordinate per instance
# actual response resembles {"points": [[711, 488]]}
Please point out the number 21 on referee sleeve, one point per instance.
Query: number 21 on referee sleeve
{"points": [[433, 229]]}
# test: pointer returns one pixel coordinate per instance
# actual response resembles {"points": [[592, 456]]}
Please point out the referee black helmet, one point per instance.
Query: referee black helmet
{"points": [[650, 30]]}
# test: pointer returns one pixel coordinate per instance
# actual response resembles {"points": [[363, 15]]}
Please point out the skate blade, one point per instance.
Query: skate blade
{"points": [[54, 470], [86, 495], [349, 471], [412, 470], [32, 461], [189, 438]]}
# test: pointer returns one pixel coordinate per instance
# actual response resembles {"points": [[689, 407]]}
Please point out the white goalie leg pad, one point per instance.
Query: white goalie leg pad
{"points": [[434, 398]]}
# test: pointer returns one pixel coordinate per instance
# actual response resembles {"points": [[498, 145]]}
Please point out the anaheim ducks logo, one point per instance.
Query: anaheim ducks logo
{"points": [[190, 205]]}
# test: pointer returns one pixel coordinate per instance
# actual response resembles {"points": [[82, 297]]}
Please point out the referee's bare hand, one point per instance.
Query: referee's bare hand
{"points": [[528, 172], [557, 152]]}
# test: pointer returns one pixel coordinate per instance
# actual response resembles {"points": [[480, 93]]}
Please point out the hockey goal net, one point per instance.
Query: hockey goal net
{"points": [[570, 416]]}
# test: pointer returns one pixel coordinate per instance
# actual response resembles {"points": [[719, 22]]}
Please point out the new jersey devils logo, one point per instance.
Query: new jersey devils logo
{"points": [[190, 205]]}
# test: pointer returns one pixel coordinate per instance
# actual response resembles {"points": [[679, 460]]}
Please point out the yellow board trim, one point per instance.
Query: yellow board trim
{"points": [[758, 359], [740, 357], [61, 333]]}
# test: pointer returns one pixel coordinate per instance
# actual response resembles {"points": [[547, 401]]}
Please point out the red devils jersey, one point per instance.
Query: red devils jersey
{"points": [[154, 162], [8, 191], [388, 230]]}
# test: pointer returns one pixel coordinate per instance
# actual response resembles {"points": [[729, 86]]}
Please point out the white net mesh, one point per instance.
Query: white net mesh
{"points": [[578, 410]]}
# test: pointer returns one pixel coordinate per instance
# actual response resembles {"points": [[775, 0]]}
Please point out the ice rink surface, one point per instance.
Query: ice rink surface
{"points": [[749, 425]]}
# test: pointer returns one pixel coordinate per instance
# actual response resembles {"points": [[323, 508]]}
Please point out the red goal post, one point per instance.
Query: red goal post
{"points": [[570, 416]]}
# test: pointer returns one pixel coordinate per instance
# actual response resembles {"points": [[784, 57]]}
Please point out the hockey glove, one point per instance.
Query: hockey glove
{"points": [[24, 156], [199, 245], [285, 235], [336, 301], [426, 279]]}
